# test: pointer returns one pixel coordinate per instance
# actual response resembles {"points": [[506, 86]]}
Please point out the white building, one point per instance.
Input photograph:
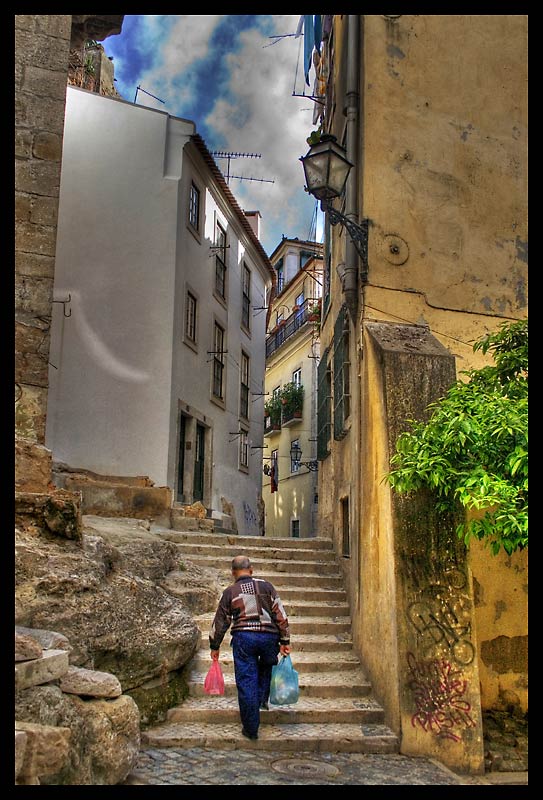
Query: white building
{"points": [[158, 358]]}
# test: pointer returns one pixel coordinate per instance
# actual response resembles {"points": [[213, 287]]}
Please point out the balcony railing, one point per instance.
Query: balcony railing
{"points": [[291, 325], [271, 426]]}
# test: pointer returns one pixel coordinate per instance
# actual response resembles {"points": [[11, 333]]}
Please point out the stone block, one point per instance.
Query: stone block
{"points": [[20, 748], [39, 113], [32, 367], [125, 501], [40, 239], [49, 640], [49, 667], [47, 146], [57, 512], [206, 525], [23, 207], [26, 648], [45, 82], [23, 143], [47, 749], [32, 466], [34, 295], [25, 22], [44, 211], [33, 264], [88, 682], [179, 522], [59, 25], [196, 510], [41, 50], [30, 412], [37, 177]]}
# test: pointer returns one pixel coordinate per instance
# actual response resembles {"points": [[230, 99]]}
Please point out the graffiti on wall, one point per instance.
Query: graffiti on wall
{"points": [[251, 519], [438, 625], [439, 692]]}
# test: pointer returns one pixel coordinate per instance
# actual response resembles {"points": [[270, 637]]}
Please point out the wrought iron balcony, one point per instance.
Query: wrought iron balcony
{"points": [[290, 326]]}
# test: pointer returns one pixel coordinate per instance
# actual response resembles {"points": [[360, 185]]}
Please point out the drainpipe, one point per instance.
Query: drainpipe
{"points": [[350, 277]]}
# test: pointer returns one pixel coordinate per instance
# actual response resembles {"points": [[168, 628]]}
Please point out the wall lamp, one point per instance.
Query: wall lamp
{"points": [[326, 169], [296, 458]]}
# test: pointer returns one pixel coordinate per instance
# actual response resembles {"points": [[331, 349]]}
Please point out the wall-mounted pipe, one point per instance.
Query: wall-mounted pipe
{"points": [[351, 111]]}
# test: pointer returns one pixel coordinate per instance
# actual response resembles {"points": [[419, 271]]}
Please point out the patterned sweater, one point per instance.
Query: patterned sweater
{"points": [[249, 604]]}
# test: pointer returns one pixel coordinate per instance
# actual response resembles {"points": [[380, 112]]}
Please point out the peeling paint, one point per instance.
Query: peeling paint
{"points": [[395, 52], [522, 249]]}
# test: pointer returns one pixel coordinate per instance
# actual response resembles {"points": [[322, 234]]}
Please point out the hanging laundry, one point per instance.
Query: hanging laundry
{"points": [[317, 32], [309, 44], [327, 25]]}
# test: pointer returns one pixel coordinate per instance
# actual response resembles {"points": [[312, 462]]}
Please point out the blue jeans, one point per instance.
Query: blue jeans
{"points": [[254, 656]]}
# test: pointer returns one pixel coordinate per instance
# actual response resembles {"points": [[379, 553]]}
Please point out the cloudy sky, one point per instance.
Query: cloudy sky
{"points": [[236, 83]]}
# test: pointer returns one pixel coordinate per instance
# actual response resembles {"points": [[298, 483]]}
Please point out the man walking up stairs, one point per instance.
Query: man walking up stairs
{"points": [[335, 711]]}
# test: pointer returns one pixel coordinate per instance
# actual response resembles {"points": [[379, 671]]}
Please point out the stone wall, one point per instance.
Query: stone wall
{"points": [[42, 44]]}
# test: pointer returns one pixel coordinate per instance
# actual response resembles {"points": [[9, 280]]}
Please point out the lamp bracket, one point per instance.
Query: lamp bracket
{"points": [[357, 231]]}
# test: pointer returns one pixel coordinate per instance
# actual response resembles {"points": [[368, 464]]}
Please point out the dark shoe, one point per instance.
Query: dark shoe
{"points": [[264, 707], [249, 735]]}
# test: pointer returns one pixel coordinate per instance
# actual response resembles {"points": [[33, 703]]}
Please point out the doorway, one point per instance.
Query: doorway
{"points": [[181, 458], [199, 463]]}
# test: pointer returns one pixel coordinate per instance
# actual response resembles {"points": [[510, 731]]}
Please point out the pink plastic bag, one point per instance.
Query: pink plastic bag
{"points": [[214, 680]]}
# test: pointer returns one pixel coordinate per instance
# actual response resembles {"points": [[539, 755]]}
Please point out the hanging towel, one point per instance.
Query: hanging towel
{"points": [[309, 43], [317, 28]]}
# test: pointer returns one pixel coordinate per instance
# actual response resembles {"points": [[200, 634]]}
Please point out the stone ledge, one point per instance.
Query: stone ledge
{"points": [[49, 667]]}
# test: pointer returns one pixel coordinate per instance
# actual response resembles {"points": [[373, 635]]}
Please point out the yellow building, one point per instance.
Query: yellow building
{"points": [[432, 113], [292, 350]]}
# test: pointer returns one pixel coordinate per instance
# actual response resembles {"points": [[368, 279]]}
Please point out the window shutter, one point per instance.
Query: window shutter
{"points": [[339, 366], [323, 407]]}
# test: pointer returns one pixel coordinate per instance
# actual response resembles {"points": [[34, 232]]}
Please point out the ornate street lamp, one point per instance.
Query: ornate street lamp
{"points": [[296, 458], [326, 170]]}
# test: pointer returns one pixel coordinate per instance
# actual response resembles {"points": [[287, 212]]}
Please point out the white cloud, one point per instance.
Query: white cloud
{"points": [[260, 115], [187, 41]]}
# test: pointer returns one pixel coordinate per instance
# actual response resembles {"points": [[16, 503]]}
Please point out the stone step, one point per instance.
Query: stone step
{"points": [[303, 661], [313, 593], [264, 565], [300, 608], [301, 580], [245, 541], [317, 625], [224, 553], [221, 709], [352, 683], [320, 737]]}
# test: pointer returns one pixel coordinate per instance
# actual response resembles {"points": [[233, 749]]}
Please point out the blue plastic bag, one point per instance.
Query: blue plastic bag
{"points": [[284, 689]]}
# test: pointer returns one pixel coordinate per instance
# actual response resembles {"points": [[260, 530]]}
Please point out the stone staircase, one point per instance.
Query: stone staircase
{"points": [[336, 711]]}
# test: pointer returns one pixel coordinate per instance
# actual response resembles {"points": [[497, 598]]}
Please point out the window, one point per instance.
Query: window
{"points": [[294, 465], [297, 377], [244, 450], [218, 361], [194, 207], [276, 391], [280, 276], [324, 415], [295, 528], [342, 377], [246, 298], [191, 305], [220, 261], [244, 386]]}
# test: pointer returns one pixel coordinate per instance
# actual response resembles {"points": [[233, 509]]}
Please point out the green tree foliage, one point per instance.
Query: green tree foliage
{"points": [[474, 447]]}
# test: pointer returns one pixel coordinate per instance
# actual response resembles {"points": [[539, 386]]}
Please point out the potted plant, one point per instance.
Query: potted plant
{"points": [[292, 401], [314, 312], [272, 413]]}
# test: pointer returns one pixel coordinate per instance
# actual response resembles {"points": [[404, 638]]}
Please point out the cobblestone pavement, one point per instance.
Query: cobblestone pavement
{"points": [[210, 767]]}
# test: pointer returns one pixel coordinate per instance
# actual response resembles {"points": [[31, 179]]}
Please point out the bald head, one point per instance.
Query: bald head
{"points": [[242, 565]]}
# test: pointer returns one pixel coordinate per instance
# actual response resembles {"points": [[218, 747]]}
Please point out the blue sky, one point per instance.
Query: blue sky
{"points": [[229, 76]]}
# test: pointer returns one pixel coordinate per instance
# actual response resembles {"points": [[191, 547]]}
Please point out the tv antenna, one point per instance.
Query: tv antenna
{"points": [[229, 156], [140, 89]]}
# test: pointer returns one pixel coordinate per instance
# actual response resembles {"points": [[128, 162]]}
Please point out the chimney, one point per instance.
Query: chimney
{"points": [[254, 218]]}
